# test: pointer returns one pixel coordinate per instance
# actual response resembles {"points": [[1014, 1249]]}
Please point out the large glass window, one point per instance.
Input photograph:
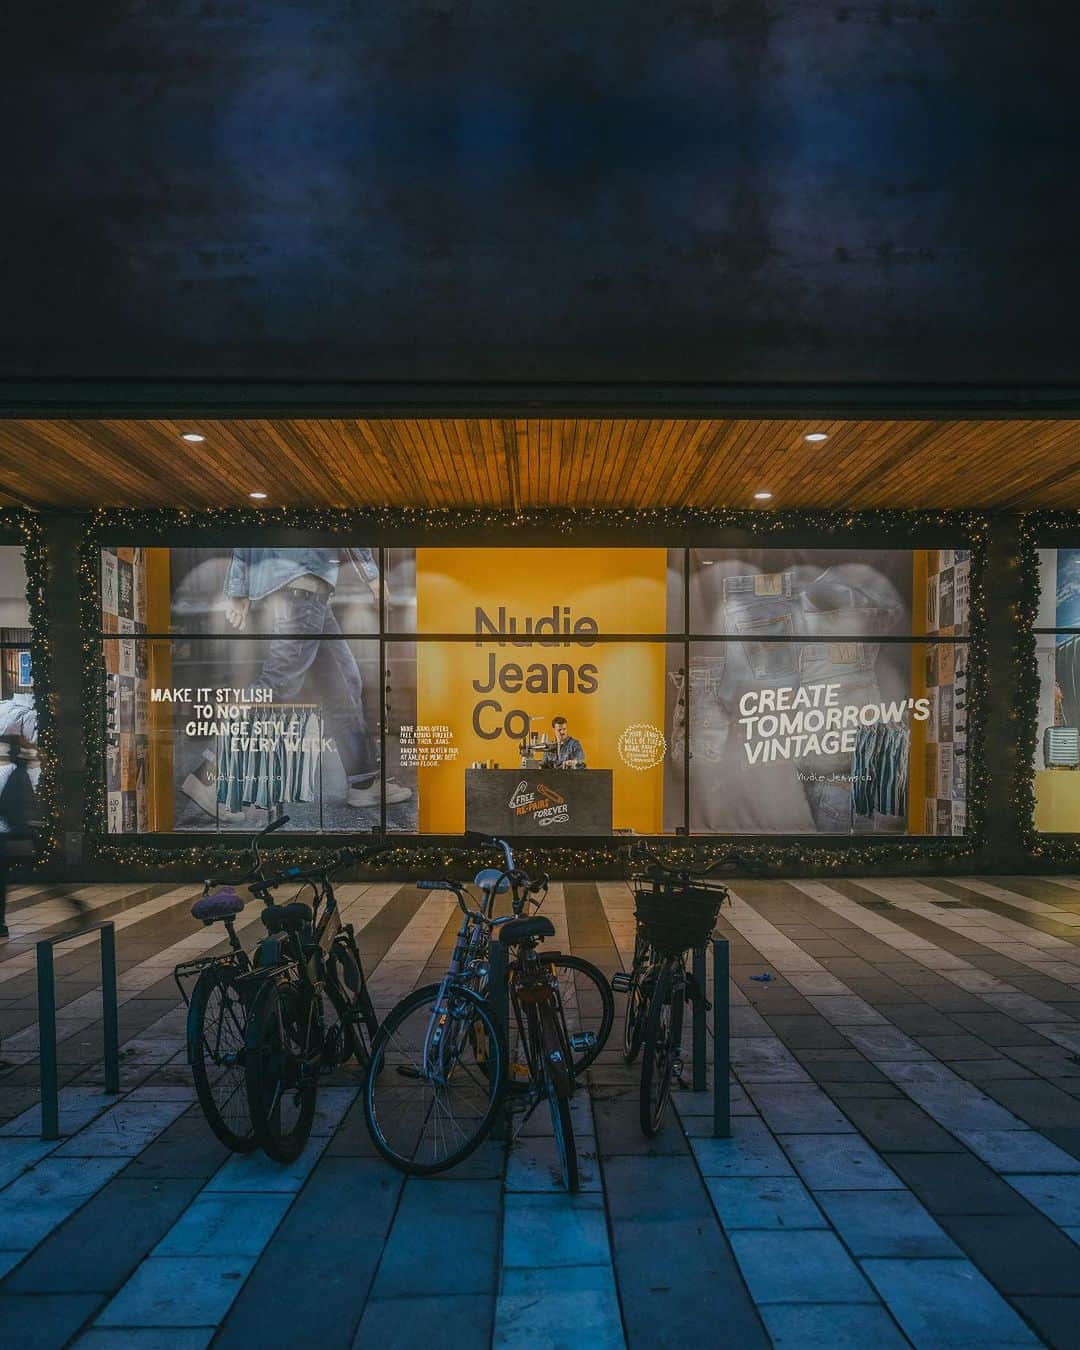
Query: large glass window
{"points": [[1057, 650], [547, 691], [18, 710]]}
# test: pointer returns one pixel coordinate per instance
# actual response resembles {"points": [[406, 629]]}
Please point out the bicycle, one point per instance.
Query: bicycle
{"points": [[676, 910], [446, 1051], [217, 1010], [585, 993], [310, 1010]]}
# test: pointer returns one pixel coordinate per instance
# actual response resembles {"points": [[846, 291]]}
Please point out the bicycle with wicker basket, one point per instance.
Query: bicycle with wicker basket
{"points": [[676, 908]]}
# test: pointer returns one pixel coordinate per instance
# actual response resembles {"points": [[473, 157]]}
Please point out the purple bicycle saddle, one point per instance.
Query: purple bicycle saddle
{"points": [[220, 904]]}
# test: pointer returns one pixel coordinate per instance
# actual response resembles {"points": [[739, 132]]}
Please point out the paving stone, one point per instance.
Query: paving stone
{"points": [[764, 1202], [831, 1326], [941, 1305], [554, 1230], [1058, 1197], [436, 1222], [257, 1172], [187, 1148], [806, 1032], [675, 1270], [1038, 1104], [617, 1119], [325, 1253], [900, 1125], [143, 1338], [751, 1151], [557, 1308], [177, 1291], [798, 1267], [993, 1069], [134, 1215], [1018, 1151], [533, 1165], [1055, 1319], [225, 1225], [885, 1044], [952, 1183], [1019, 1253], [791, 1108], [40, 1200], [885, 1223], [838, 1162], [35, 1322], [449, 1321], [998, 1029]]}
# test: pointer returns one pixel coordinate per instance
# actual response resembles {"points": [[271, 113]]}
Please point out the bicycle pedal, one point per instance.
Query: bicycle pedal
{"points": [[622, 982], [519, 1073], [582, 1040]]}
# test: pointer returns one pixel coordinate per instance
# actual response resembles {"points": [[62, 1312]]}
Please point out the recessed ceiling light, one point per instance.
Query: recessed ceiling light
{"points": [[193, 436], [259, 496], [762, 496], [816, 436]]}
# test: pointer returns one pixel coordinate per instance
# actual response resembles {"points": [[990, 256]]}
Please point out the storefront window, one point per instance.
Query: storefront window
{"points": [[1057, 652], [820, 706], [18, 711], [243, 682], [265, 701]]}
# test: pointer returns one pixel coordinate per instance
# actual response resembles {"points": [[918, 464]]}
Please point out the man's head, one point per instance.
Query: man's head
{"points": [[561, 732]]}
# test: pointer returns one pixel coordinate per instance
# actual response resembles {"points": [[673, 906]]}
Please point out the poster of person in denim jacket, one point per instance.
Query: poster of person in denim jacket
{"points": [[788, 621]]}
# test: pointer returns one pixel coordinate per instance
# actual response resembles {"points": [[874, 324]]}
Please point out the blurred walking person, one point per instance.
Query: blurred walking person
{"points": [[18, 811]]}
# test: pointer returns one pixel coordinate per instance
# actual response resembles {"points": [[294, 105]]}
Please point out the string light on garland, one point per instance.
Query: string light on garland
{"points": [[397, 526]]}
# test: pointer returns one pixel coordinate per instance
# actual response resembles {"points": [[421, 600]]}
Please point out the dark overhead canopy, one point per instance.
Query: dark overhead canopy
{"points": [[711, 191]]}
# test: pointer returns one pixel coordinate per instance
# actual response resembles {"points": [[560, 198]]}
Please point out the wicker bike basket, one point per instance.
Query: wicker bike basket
{"points": [[675, 919]]}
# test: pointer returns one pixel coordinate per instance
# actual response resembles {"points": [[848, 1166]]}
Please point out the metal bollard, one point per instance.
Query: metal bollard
{"points": [[701, 1048], [46, 976], [721, 1040]]}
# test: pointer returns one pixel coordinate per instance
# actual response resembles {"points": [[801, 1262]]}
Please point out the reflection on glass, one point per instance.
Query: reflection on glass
{"points": [[835, 737], [204, 733]]}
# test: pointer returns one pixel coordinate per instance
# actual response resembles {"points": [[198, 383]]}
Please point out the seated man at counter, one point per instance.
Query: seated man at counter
{"points": [[568, 751]]}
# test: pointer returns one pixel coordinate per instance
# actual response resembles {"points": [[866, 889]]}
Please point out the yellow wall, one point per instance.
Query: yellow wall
{"points": [[623, 590]]}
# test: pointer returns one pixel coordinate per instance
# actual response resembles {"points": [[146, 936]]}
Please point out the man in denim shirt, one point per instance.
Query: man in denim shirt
{"points": [[300, 583]]}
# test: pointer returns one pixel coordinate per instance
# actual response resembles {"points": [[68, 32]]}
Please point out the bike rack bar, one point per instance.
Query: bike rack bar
{"points": [[698, 1010], [721, 1039], [46, 980]]}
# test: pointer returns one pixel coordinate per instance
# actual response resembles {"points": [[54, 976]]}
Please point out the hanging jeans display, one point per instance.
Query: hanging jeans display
{"points": [[280, 765], [879, 776]]}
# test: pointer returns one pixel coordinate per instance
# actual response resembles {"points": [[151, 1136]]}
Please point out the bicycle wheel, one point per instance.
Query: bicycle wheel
{"points": [[215, 1037], [663, 1029], [588, 1008], [343, 1010], [281, 1082], [637, 1003], [557, 1089], [437, 1072]]}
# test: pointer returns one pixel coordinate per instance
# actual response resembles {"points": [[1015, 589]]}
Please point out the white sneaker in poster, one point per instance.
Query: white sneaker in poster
{"points": [[369, 796], [205, 796]]}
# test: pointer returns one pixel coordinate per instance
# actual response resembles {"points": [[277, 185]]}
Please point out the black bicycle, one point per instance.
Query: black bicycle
{"points": [[217, 1007], [310, 1010], [676, 907], [443, 1048]]}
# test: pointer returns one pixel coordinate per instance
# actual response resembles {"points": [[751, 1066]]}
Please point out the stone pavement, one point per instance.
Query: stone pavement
{"points": [[905, 1166]]}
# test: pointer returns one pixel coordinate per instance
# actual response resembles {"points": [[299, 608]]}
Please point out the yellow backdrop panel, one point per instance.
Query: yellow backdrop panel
{"points": [[488, 693]]}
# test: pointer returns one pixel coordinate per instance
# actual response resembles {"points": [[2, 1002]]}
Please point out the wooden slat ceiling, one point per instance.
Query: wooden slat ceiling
{"points": [[541, 462]]}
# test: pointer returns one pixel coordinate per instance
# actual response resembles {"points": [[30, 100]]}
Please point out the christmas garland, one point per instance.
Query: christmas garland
{"points": [[386, 525]]}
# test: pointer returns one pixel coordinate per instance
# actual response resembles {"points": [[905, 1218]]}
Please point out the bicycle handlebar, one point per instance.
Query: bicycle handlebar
{"points": [[492, 841], [253, 852]]}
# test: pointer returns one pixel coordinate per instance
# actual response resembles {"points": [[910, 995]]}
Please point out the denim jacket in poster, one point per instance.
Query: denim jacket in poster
{"points": [[257, 572]]}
